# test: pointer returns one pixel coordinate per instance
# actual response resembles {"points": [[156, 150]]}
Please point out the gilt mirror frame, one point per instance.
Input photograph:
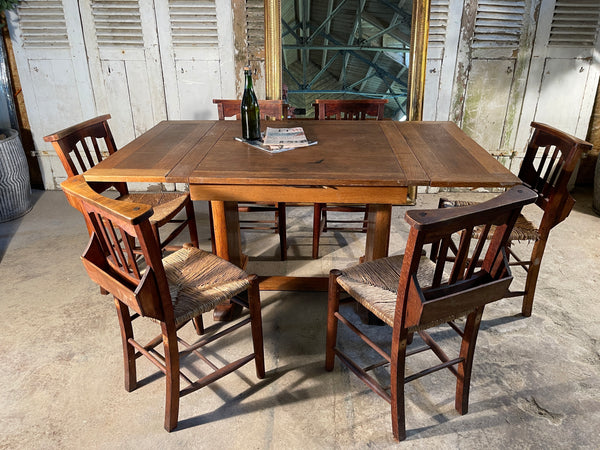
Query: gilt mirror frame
{"points": [[418, 54]]}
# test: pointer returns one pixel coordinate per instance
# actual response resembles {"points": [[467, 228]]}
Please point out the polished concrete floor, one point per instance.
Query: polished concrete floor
{"points": [[535, 383]]}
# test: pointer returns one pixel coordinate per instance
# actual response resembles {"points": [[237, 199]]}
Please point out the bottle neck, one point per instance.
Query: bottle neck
{"points": [[248, 80]]}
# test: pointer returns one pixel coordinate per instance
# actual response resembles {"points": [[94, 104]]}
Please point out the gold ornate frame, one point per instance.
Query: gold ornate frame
{"points": [[418, 60], [418, 55]]}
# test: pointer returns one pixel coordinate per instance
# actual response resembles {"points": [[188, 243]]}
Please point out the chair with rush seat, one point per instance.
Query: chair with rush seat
{"points": [[81, 147], [411, 293], [342, 110], [170, 292], [277, 110], [549, 162]]}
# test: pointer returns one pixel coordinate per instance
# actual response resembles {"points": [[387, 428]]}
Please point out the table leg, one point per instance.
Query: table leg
{"points": [[377, 246], [378, 231], [228, 245]]}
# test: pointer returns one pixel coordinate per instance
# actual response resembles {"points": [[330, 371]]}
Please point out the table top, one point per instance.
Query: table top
{"points": [[348, 153]]}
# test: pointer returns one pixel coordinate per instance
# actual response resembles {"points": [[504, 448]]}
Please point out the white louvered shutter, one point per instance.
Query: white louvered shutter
{"points": [[52, 64], [196, 44], [124, 61], [565, 54], [444, 27], [491, 71]]}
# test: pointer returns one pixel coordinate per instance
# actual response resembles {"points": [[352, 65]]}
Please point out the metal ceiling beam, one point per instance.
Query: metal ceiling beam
{"points": [[344, 48]]}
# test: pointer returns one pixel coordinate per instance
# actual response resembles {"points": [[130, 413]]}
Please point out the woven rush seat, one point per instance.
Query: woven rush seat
{"points": [[524, 229], [374, 284], [198, 281], [164, 204]]}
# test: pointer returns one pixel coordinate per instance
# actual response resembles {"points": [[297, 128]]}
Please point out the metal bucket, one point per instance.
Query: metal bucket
{"points": [[15, 189]]}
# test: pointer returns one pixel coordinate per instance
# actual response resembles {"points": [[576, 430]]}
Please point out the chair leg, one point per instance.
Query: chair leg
{"points": [[318, 207], [333, 306], [532, 275], [281, 228], [256, 326], [467, 351], [128, 350], [191, 222], [172, 375], [212, 229], [198, 325], [397, 371]]}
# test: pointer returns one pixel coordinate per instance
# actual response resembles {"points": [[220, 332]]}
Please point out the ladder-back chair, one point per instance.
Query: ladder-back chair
{"points": [[329, 109], [276, 110], [169, 291], [84, 145], [342, 110], [269, 109], [547, 167], [411, 293]]}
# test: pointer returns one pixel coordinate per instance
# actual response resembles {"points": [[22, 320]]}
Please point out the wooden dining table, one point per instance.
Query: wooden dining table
{"points": [[354, 162]]}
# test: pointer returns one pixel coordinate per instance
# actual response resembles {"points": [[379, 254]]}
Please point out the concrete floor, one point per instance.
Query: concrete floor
{"points": [[535, 383]]}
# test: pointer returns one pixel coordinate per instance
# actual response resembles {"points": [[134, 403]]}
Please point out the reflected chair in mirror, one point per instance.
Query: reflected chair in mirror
{"points": [[82, 146], [276, 110], [342, 110], [411, 293], [169, 291], [547, 168]]}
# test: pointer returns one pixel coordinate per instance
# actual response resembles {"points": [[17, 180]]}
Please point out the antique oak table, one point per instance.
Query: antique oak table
{"points": [[364, 162]]}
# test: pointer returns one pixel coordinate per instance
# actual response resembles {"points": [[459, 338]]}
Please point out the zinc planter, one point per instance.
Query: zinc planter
{"points": [[15, 189]]}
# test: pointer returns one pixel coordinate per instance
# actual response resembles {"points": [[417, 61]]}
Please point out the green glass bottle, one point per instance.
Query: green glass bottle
{"points": [[250, 111]]}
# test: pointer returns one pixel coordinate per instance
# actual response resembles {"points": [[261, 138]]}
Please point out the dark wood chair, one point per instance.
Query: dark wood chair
{"points": [[82, 146], [276, 110], [170, 292], [549, 162], [411, 293], [269, 109], [342, 110], [326, 109]]}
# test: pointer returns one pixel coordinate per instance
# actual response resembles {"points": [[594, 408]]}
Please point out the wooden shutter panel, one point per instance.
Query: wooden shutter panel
{"points": [[43, 24], [193, 24], [438, 23], [117, 23], [255, 29], [575, 24], [498, 23]]}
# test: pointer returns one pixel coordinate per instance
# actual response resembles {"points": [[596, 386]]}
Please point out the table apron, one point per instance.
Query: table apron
{"points": [[299, 194]]}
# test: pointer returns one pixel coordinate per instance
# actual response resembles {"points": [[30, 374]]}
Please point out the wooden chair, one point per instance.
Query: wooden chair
{"points": [[411, 293], [549, 162], [326, 109], [277, 110], [81, 147], [342, 110], [273, 109], [169, 291]]}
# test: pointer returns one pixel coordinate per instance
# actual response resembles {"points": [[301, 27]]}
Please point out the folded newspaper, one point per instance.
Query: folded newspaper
{"points": [[285, 138], [278, 140]]}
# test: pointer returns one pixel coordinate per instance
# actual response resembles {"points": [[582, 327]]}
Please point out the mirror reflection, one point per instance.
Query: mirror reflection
{"points": [[346, 49]]}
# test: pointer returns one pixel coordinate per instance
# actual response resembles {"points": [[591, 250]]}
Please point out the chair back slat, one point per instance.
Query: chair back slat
{"points": [[136, 279], [424, 301], [326, 109], [479, 246], [440, 264], [458, 268]]}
